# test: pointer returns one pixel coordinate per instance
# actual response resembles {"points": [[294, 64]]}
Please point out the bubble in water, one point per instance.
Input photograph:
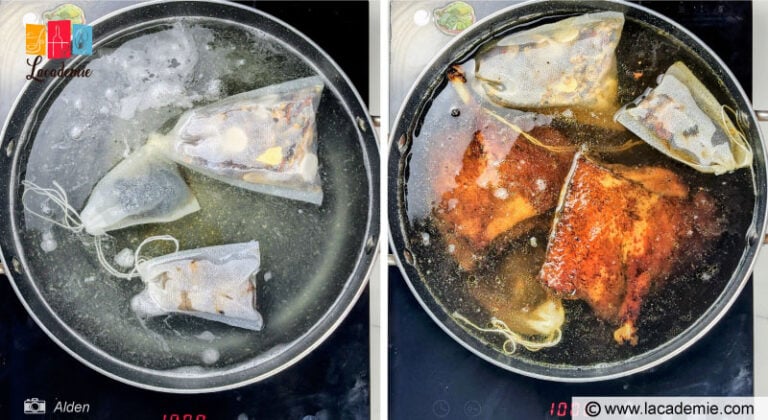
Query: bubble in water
{"points": [[320, 415], [45, 207], [124, 258], [709, 273], [242, 416], [425, 238], [48, 244], [206, 336], [75, 132], [214, 88], [110, 94], [268, 276], [210, 356]]}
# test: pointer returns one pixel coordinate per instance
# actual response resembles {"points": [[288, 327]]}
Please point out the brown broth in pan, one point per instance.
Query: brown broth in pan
{"points": [[436, 152]]}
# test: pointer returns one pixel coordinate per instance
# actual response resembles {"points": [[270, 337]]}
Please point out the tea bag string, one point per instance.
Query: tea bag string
{"points": [[512, 338], [458, 80], [562, 149], [70, 219], [735, 131], [137, 258], [157, 238]]}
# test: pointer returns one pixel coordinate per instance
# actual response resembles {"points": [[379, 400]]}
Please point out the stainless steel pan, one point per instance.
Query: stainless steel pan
{"points": [[405, 243]]}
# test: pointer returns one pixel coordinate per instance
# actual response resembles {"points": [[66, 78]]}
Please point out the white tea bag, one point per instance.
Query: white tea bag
{"points": [[682, 119], [263, 140], [215, 283], [143, 188], [571, 62]]}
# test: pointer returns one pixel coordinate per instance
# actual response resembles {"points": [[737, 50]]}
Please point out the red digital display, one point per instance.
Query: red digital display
{"points": [[563, 409]]}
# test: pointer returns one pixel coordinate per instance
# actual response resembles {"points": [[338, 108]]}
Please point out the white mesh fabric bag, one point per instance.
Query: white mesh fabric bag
{"points": [[682, 119], [143, 188], [215, 283], [263, 140], [571, 62]]}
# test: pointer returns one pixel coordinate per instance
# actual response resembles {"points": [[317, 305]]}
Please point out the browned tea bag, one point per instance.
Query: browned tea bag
{"points": [[516, 305]]}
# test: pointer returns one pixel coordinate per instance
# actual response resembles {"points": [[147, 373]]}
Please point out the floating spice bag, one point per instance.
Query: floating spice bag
{"points": [[215, 283], [143, 188], [519, 309], [570, 63], [263, 140], [683, 120]]}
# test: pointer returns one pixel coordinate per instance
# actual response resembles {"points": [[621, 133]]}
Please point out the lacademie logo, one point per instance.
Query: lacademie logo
{"points": [[58, 39]]}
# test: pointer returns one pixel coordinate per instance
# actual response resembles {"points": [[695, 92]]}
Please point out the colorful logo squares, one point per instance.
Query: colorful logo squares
{"points": [[82, 39], [59, 38], [35, 44]]}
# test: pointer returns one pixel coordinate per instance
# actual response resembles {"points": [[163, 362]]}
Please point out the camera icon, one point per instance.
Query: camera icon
{"points": [[34, 406]]}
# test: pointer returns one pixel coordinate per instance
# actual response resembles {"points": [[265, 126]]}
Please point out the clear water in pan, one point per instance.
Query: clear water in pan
{"points": [[435, 157], [142, 80]]}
